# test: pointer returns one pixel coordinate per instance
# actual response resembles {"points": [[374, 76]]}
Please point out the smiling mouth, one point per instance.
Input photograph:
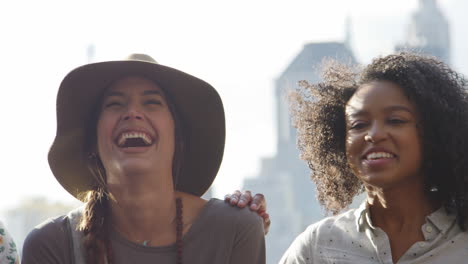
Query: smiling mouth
{"points": [[134, 139], [379, 155]]}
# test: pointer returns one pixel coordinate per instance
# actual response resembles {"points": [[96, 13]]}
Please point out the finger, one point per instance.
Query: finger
{"points": [[245, 199], [258, 203], [227, 197], [235, 197], [266, 222], [265, 216]]}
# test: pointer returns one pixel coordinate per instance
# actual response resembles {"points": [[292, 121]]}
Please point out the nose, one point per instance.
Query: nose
{"points": [[132, 114], [376, 133]]}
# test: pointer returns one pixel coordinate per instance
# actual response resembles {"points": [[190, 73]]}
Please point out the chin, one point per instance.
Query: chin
{"points": [[135, 166], [380, 180], [388, 182]]}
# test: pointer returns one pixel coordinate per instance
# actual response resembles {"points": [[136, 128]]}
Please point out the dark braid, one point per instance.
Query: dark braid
{"points": [[95, 227], [109, 254], [179, 230]]}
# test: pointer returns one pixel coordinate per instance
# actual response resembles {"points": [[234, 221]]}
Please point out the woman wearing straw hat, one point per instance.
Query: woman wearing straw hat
{"points": [[139, 143]]}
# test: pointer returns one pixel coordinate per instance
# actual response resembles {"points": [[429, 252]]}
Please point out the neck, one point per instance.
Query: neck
{"points": [[144, 210], [399, 209]]}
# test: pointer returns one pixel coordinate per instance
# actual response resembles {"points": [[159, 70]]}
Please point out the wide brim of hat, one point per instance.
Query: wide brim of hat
{"points": [[198, 105]]}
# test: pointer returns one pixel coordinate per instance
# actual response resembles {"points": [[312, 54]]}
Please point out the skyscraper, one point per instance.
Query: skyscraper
{"points": [[428, 32]]}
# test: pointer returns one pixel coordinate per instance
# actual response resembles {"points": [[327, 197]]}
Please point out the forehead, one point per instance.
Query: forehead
{"points": [[376, 96], [132, 84]]}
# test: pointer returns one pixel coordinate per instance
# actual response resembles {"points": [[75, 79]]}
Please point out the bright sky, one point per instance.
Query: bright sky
{"points": [[239, 47]]}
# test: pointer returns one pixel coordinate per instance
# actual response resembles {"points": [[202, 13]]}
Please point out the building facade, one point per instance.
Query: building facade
{"points": [[428, 32]]}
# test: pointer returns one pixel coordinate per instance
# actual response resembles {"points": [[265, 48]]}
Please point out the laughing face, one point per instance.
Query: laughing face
{"points": [[383, 144], [135, 130]]}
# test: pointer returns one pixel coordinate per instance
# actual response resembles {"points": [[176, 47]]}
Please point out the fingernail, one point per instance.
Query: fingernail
{"points": [[253, 207]]}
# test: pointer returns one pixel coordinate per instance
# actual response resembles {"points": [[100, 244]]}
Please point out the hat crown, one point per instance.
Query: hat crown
{"points": [[141, 57]]}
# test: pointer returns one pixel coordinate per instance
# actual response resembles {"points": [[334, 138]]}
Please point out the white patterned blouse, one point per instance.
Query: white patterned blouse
{"points": [[351, 238], [8, 252]]}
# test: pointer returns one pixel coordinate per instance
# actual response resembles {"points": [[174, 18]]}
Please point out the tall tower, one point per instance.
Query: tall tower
{"points": [[348, 33], [428, 32]]}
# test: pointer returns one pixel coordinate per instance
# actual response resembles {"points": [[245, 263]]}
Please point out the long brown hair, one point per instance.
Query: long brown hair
{"points": [[95, 222]]}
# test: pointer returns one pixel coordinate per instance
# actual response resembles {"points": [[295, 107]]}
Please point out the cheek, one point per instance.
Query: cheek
{"points": [[169, 126], [172, 134], [352, 151], [411, 140], [104, 124], [100, 130], [103, 131], [350, 146], [417, 148]]}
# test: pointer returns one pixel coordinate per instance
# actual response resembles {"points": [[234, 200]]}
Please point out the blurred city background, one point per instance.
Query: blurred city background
{"points": [[252, 52]]}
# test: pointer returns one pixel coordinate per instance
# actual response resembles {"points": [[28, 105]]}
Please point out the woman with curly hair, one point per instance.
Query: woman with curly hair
{"points": [[396, 130]]}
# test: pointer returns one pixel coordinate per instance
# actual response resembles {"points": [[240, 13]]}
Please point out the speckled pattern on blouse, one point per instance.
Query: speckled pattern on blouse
{"points": [[8, 252], [351, 238]]}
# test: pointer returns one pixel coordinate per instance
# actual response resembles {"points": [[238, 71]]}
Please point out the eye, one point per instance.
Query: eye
{"points": [[357, 125], [396, 121], [112, 104], [153, 102]]}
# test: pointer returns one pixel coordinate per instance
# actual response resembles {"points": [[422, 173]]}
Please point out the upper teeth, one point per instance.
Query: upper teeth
{"points": [[378, 155], [128, 135]]}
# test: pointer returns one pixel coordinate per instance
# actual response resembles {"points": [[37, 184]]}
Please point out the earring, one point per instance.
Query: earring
{"points": [[92, 155]]}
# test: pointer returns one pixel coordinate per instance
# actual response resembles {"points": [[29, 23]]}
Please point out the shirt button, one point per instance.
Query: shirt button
{"points": [[422, 244], [429, 229]]}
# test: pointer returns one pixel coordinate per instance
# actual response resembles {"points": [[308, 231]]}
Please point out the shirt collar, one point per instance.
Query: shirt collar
{"points": [[361, 216], [440, 218]]}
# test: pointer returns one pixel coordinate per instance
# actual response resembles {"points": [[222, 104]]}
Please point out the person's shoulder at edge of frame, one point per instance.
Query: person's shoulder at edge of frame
{"points": [[48, 237]]}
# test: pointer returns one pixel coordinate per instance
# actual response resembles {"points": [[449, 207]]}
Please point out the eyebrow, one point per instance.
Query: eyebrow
{"points": [[113, 93], [391, 108], [151, 92]]}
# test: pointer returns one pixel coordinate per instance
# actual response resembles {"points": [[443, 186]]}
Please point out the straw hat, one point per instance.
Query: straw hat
{"points": [[198, 104]]}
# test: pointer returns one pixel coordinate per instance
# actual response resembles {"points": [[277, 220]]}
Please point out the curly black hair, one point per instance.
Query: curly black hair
{"points": [[438, 92]]}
